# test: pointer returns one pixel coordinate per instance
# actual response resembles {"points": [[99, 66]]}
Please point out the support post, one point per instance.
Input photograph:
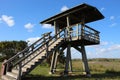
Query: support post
{"points": [[84, 59], [55, 62], [57, 30], [20, 70], [68, 27], [77, 31], [82, 27], [52, 62], [55, 27], [85, 62], [68, 60]]}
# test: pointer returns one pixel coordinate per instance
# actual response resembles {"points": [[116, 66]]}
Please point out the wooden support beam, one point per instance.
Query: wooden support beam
{"points": [[85, 62], [52, 62], [55, 62], [82, 27], [68, 26], [20, 71], [68, 60], [55, 27], [77, 48], [84, 59], [77, 31]]}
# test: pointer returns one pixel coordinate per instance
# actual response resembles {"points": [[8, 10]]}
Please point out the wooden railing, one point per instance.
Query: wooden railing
{"points": [[13, 61], [91, 34], [20, 59], [44, 44], [85, 33]]}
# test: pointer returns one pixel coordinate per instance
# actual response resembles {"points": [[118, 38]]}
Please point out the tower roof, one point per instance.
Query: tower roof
{"points": [[76, 14]]}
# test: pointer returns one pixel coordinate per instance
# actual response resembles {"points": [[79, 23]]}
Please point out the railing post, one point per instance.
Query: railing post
{"points": [[77, 31], [20, 71], [47, 49], [65, 34], [4, 68], [8, 66], [82, 27]]}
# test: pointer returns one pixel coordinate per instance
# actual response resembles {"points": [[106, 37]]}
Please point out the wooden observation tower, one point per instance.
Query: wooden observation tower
{"points": [[72, 23], [70, 31]]}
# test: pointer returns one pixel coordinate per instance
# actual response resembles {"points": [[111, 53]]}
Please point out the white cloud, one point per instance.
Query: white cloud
{"points": [[0, 20], [113, 24], [112, 17], [32, 40], [114, 47], [29, 26], [104, 43], [102, 9], [64, 8], [8, 20], [105, 50], [109, 49], [47, 26]]}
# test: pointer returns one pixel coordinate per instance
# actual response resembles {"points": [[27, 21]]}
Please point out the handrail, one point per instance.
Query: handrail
{"points": [[19, 53], [27, 52], [22, 59], [91, 29]]}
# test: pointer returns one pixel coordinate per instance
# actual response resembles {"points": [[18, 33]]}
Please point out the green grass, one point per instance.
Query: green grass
{"points": [[40, 70], [100, 70]]}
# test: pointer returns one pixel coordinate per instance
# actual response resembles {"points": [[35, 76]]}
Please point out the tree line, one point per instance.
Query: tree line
{"points": [[10, 48]]}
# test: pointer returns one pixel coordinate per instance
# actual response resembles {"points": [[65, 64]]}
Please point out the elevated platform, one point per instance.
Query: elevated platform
{"points": [[70, 31]]}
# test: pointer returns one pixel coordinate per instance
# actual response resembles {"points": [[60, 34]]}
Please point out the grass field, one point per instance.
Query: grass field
{"points": [[101, 69]]}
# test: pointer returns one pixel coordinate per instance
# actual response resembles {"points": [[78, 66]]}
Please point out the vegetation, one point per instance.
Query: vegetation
{"points": [[61, 58], [101, 69], [10, 48]]}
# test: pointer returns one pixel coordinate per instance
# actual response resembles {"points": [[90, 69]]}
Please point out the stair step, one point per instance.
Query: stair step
{"points": [[39, 56], [24, 69], [14, 75], [15, 71], [27, 66], [6, 77], [31, 63]]}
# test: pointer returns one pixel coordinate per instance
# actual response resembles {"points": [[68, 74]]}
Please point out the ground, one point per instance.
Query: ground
{"points": [[101, 69]]}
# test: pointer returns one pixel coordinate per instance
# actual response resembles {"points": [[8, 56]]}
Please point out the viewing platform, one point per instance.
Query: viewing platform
{"points": [[73, 21], [70, 31]]}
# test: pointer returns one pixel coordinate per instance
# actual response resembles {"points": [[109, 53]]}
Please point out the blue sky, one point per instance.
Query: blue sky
{"points": [[19, 20]]}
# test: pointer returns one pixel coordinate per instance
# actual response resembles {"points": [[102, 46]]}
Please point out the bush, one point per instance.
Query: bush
{"points": [[2, 58]]}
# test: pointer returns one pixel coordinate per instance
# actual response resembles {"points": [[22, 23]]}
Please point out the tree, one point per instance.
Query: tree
{"points": [[10, 48]]}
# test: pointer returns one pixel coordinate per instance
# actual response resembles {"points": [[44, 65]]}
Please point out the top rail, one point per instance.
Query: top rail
{"points": [[23, 51]]}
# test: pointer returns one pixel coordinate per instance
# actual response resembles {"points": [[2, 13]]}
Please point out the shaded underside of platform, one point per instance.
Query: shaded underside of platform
{"points": [[78, 42]]}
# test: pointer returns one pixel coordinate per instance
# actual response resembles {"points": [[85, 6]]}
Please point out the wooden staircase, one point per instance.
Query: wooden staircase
{"points": [[25, 61]]}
